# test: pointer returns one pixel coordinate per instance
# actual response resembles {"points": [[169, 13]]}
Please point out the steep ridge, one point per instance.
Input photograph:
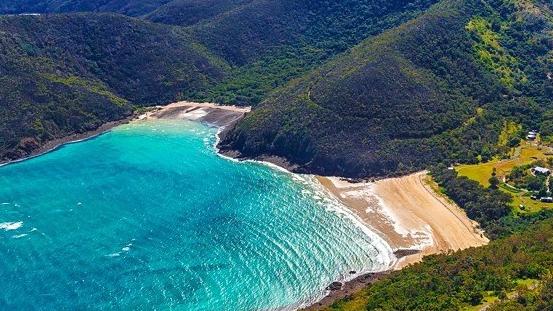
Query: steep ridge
{"points": [[65, 74], [271, 42], [267, 42], [437, 88]]}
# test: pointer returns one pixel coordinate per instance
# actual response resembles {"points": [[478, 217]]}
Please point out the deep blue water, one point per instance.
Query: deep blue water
{"points": [[148, 216]]}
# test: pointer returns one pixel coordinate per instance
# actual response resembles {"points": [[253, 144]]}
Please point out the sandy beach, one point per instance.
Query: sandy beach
{"points": [[213, 114], [407, 213]]}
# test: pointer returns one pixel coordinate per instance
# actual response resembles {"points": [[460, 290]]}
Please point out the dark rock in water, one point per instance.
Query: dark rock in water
{"points": [[335, 286], [352, 272]]}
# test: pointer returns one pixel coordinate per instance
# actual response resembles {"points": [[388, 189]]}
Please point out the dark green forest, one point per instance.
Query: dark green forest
{"points": [[513, 272], [435, 89], [76, 65], [66, 74]]}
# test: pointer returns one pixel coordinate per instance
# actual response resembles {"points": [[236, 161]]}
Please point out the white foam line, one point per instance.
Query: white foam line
{"points": [[386, 253], [8, 226], [340, 208], [425, 236], [269, 164], [337, 206]]}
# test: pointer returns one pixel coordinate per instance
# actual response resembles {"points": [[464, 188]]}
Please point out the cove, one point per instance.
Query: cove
{"points": [[149, 216]]}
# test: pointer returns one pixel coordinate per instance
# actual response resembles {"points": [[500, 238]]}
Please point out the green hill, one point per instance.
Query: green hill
{"points": [[355, 88], [73, 72], [70, 73], [437, 88], [267, 42], [509, 274], [271, 42]]}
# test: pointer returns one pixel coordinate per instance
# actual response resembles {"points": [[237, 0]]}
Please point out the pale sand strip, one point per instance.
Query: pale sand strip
{"points": [[222, 116], [408, 214]]}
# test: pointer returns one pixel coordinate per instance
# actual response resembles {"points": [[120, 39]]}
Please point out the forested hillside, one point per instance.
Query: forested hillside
{"points": [[513, 272], [354, 88], [68, 68], [436, 89], [70, 73], [267, 42], [271, 42], [419, 85]]}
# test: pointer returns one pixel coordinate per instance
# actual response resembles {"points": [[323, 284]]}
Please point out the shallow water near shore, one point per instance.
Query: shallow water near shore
{"points": [[148, 216]]}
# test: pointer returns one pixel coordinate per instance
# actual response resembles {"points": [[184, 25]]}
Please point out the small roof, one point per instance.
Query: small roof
{"points": [[532, 133], [540, 169]]}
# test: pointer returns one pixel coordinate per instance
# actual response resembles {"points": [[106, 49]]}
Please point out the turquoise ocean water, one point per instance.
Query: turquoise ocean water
{"points": [[148, 216]]}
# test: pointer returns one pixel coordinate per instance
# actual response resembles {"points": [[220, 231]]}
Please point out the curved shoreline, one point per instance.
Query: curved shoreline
{"points": [[55, 144], [405, 213], [414, 219]]}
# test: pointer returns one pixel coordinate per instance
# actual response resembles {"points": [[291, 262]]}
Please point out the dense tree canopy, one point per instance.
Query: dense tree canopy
{"points": [[435, 89]]}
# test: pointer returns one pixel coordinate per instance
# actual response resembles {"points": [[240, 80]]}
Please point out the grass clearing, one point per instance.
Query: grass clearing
{"points": [[523, 198], [526, 153]]}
